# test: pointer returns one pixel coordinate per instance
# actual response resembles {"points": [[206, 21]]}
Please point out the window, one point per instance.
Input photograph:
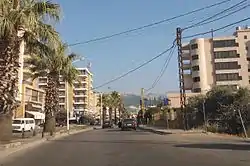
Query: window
{"points": [[194, 46], [225, 43], [196, 90], [226, 54], [196, 79], [245, 37], [195, 68], [194, 57], [228, 77], [227, 65]]}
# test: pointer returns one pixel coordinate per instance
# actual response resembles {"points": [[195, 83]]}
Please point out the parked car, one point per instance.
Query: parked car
{"points": [[128, 124], [107, 124], [23, 124]]}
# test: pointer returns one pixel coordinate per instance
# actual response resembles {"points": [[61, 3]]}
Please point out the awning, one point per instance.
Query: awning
{"points": [[37, 115]]}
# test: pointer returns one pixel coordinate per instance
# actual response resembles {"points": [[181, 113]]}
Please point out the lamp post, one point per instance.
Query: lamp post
{"points": [[67, 94]]}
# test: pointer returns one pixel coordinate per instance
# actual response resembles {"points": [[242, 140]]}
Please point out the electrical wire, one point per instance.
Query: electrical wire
{"points": [[218, 29], [149, 25], [215, 15], [163, 70], [229, 14], [137, 68]]}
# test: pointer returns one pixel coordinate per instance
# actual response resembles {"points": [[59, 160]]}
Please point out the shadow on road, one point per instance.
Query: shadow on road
{"points": [[216, 146], [146, 142]]}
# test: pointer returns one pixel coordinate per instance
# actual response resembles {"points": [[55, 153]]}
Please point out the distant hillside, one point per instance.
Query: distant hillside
{"points": [[131, 100]]}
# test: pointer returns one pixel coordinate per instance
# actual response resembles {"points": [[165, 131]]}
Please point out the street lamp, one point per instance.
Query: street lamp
{"points": [[67, 93]]}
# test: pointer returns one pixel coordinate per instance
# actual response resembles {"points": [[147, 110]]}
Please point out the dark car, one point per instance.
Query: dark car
{"points": [[107, 124], [128, 124]]}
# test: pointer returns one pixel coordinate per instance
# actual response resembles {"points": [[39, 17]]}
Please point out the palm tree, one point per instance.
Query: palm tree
{"points": [[51, 67], [21, 22], [105, 104], [115, 102]]}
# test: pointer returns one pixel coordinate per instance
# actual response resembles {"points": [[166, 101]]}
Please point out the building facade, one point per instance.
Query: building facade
{"points": [[218, 61], [75, 98], [29, 95]]}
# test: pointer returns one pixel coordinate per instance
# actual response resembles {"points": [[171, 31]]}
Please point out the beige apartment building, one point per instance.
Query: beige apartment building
{"points": [[76, 98], [29, 95], [218, 61]]}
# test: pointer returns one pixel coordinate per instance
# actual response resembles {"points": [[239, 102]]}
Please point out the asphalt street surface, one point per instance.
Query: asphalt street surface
{"points": [[112, 147]]}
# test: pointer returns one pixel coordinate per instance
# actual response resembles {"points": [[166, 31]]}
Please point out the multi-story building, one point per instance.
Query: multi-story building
{"points": [[95, 109], [75, 98], [31, 98], [218, 61]]}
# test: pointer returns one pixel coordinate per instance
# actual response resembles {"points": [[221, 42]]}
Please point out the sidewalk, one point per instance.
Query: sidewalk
{"points": [[167, 131], [21, 144]]}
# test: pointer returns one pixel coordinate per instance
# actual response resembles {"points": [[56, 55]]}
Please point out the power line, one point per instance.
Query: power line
{"points": [[149, 25], [135, 69], [163, 70], [215, 15], [218, 29], [229, 14]]}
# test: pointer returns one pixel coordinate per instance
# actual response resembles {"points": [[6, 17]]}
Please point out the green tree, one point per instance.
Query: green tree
{"points": [[105, 104], [51, 67], [115, 103], [21, 22], [221, 108]]}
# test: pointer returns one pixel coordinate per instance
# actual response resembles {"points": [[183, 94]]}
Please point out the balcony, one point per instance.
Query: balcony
{"points": [[80, 95], [78, 109], [186, 55], [80, 102], [186, 66], [80, 88]]}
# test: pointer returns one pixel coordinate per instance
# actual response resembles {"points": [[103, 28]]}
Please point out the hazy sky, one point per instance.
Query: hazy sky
{"points": [[87, 19]]}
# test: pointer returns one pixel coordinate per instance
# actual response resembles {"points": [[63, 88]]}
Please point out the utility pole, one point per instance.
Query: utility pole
{"points": [[142, 102], [101, 110], [67, 104], [242, 123], [181, 77], [204, 115]]}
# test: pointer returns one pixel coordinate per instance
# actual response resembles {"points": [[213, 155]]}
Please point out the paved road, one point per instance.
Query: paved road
{"points": [[112, 147]]}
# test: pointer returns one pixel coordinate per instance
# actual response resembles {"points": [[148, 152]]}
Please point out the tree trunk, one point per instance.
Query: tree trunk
{"points": [[9, 67], [110, 114], [51, 104], [115, 117], [5, 128]]}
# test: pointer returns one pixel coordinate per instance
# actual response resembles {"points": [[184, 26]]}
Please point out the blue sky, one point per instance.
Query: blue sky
{"points": [[87, 19]]}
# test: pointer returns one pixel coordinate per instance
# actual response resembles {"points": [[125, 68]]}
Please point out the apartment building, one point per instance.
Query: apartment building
{"points": [[218, 61], [76, 98], [95, 109], [31, 98]]}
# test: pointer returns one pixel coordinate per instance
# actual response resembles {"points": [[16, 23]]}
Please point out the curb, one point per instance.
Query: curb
{"points": [[155, 131], [169, 132], [19, 146]]}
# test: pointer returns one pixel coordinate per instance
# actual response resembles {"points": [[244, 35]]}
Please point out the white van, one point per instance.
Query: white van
{"points": [[23, 124]]}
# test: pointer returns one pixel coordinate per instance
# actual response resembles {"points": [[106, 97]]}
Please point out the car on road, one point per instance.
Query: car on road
{"points": [[128, 124], [107, 124]]}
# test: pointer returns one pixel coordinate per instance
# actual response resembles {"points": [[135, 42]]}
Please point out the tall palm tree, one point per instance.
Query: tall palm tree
{"points": [[21, 21], [51, 67], [105, 104], [115, 102]]}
